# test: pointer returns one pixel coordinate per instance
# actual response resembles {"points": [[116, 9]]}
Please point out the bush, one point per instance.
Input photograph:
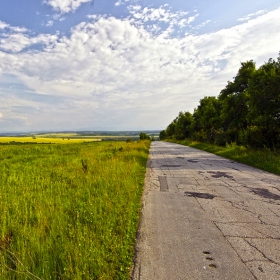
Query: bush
{"points": [[220, 138], [144, 136]]}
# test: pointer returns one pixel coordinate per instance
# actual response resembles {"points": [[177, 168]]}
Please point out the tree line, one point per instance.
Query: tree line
{"points": [[247, 111]]}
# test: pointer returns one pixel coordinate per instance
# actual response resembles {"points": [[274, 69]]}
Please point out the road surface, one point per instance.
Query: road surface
{"points": [[207, 217]]}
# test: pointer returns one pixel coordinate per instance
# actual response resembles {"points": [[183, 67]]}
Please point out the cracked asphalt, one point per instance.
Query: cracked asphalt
{"points": [[207, 217]]}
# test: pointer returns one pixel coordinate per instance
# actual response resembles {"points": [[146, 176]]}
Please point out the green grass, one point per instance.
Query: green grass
{"points": [[264, 159], [70, 211]]}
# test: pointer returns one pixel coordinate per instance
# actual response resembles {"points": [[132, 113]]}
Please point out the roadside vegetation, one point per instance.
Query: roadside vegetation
{"points": [[70, 211], [246, 112], [264, 159], [242, 123]]}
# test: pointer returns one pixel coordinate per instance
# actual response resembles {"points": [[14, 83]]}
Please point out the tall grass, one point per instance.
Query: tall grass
{"points": [[70, 211], [264, 159]]}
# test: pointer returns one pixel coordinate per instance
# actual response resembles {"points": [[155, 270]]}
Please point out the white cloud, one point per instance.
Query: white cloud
{"points": [[65, 6], [159, 20], [49, 23], [161, 14], [250, 16], [18, 42], [191, 19], [1, 115], [14, 42], [4, 25], [114, 63], [121, 2], [202, 24], [58, 17]]}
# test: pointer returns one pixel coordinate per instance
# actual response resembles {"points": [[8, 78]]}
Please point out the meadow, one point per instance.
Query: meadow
{"points": [[70, 211], [265, 159]]}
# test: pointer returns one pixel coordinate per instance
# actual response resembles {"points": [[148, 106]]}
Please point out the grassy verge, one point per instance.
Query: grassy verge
{"points": [[70, 211], [264, 159]]}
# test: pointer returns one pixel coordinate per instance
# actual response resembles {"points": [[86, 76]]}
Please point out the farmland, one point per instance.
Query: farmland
{"points": [[46, 140], [71, 137], [70, 211]]}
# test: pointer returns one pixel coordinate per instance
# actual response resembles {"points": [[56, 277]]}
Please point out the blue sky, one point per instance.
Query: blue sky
{"points": [[123, 64]]}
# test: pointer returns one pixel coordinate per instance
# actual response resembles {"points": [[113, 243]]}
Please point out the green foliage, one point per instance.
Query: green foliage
{"points": [[264, 102], [264, 159], [144, 136], [207, 118], [183, 125], [70, 211], [162, 135], [246, 112]]}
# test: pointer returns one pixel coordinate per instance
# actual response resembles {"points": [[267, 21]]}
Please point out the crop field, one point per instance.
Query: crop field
{"points": [[47, 140], [70, 211]]}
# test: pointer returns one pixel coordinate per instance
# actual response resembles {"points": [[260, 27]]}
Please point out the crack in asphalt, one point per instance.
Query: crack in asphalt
{"points": [[234, 184], [263, 254]]}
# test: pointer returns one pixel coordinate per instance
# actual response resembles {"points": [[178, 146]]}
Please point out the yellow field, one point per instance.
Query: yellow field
{"points": [[54, 135], [51, 140]]}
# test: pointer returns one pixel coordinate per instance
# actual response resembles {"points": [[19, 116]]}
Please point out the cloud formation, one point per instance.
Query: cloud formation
{"points": [[121, 2], [122, 67], [250, 16], [4, 25], [65, 6], [159, 20], [16, 42]]}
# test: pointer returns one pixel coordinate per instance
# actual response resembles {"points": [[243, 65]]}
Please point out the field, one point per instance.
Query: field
{"points": [[72, 137], [47, 140], [70, 211], [264, 159]]}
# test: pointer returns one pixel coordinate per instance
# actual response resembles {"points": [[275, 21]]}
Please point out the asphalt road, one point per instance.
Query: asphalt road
{"points": [[206, 217]]}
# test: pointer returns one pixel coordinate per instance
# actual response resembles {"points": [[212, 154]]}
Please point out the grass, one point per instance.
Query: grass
{"points": [[264, 159], [70, 211]]}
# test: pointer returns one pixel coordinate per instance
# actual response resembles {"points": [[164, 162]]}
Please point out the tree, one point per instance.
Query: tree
{"points": [[183, 125], [247, 110], [162, 135], [235, 97], [144, 136], [264, 90], [206, 118], [170, 130]]}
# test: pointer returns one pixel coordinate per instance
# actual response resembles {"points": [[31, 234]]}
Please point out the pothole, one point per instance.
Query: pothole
{"points": [[220, 174], [171, 165], [193, 160], [266, 194], [200, 195]]}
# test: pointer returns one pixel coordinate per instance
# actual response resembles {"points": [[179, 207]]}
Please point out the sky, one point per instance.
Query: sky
{"points": [[123, 64]]}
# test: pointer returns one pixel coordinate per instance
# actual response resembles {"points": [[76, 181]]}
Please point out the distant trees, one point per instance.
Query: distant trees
{"points": [[144, 136], [247, 111]]}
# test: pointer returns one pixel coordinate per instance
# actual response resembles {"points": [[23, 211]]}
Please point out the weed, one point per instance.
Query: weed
{"points": [[85, 165], [264, 159]]}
